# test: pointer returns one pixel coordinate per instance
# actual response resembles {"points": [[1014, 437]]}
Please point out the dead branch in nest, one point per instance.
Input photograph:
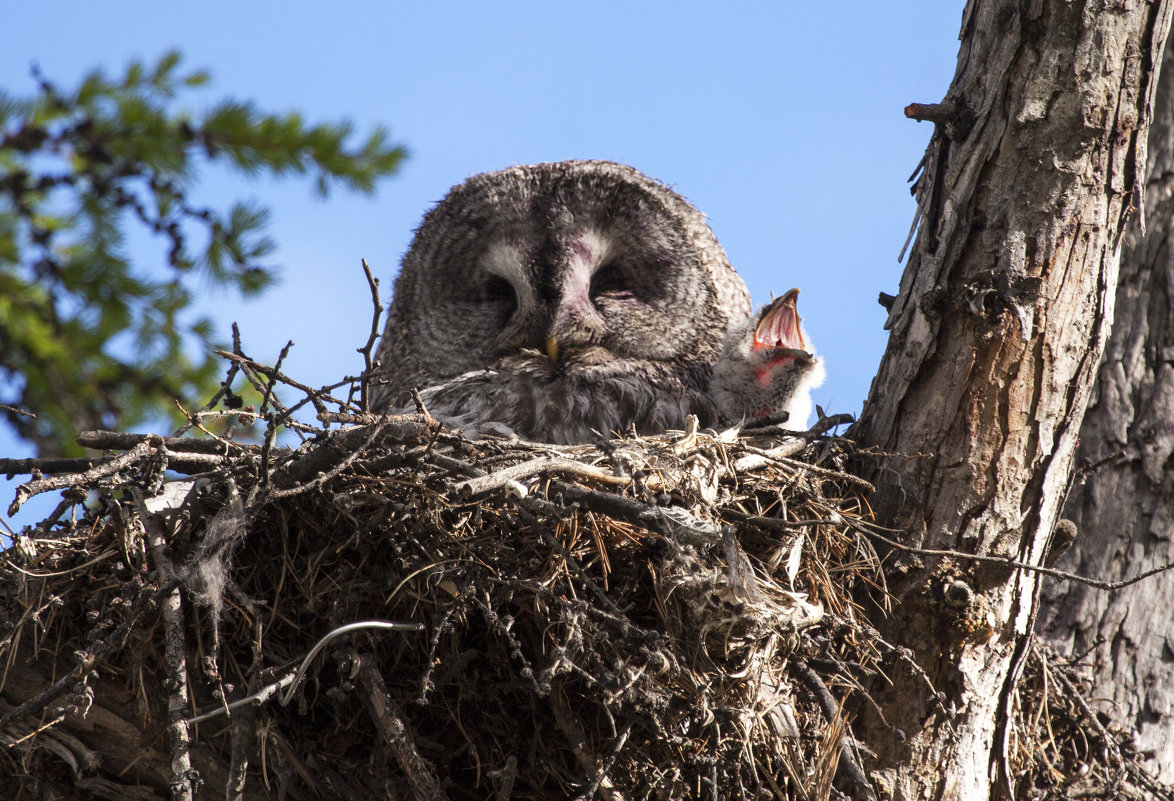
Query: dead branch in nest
{"points": [[175, 655], [832, 710], [541, 466], [39, 485], [384, 711]]}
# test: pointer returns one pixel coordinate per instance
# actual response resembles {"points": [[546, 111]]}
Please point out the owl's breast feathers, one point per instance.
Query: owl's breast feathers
{"points": [[586, 393]]}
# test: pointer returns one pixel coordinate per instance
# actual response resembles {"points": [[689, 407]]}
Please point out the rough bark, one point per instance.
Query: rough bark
{"points": [[1123, 508], [1002, 315]]}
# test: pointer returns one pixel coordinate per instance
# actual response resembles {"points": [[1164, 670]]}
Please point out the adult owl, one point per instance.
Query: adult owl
{"points": [[568, 300]]}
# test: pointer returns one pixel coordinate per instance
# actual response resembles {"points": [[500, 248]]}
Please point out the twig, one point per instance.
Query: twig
{"points": [[15, 410], [1092, 467], [831, 710], [827, 473], [272, 375], [1008, 562], [184, 454], [271, 420], [225, 387], [577, 740], [421, 409], [452, 465], [601, 775], [48, 724], [102, 557], [117, 440], [191, 461], [600, 595], [18, 467], [760, 428], [349, 418], [377, 305], [543, 464], [827, 422], [772, 523], [1076, 697], [243, 739], [401, 428], [903, 656], [759, 458], [37, 486], [613, 505], [69, 500], [503, 626], [258, 698], [30, 612], [385, 713], [270, 372], [322, 478], [506, 776], [932, 112]]}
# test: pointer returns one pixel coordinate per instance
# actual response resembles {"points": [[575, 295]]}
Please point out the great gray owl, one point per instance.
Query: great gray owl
{"points": [[568, 300]]}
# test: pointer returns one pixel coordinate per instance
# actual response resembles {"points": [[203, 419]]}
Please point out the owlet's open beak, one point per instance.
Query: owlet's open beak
{"points": [[552, 349], [780, 326]]}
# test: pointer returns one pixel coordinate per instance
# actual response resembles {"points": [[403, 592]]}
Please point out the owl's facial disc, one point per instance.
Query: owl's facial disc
{"points": [[499, 299]]}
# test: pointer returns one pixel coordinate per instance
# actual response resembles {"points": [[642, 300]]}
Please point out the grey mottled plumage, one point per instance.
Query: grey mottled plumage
{"points": [[558, 301]]}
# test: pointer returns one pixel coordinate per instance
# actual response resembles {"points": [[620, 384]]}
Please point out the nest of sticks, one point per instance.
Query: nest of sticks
{"points": [[391, 610]]}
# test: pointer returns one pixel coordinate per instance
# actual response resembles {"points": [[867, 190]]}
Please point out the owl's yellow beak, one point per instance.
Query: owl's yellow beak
{"points": [[552, 349]]}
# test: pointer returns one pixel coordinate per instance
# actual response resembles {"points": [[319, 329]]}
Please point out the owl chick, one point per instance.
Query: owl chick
{"points": [[768, 366]]}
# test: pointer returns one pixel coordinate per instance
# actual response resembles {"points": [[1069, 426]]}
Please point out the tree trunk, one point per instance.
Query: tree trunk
{"points": [[1123, 508], [1002, 315]]}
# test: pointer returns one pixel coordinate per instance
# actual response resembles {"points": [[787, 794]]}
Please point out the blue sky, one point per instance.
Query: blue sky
{"points": [[781, 121]]}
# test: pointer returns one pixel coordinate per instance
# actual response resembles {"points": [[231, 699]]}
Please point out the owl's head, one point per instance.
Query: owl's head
{"points": [[576, 263]]}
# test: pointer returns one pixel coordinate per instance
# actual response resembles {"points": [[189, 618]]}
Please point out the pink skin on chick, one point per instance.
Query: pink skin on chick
{"points": [[779, 330]]}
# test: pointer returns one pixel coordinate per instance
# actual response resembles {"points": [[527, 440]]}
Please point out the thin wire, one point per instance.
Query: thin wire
{"points": [[295, 678]]}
